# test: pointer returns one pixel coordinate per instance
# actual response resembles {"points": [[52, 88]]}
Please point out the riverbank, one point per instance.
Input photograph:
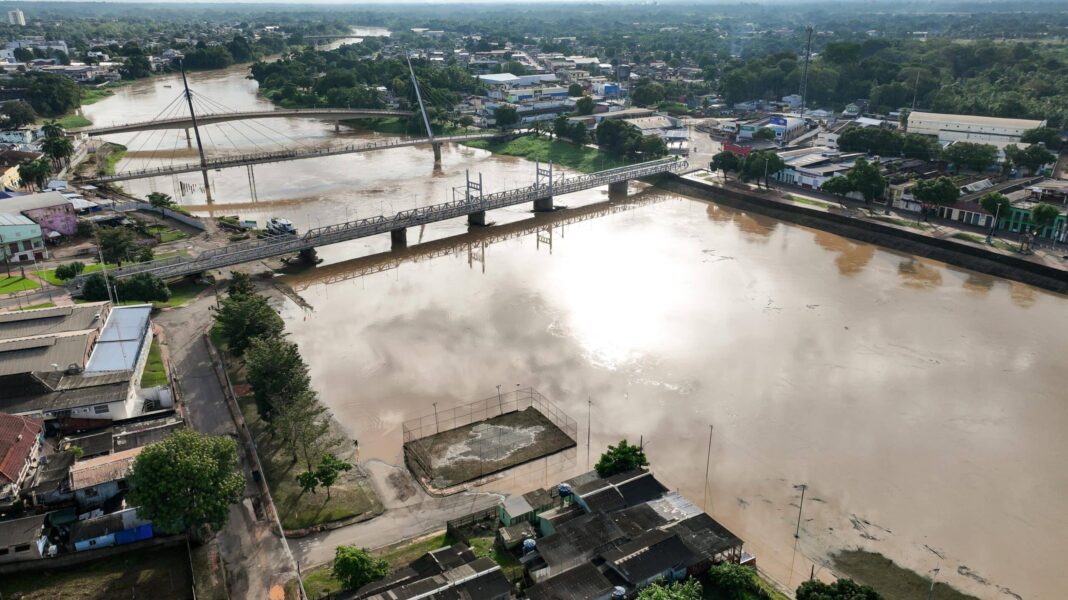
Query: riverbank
{"points": [[889, 234], [890, 580], [530, 147]]}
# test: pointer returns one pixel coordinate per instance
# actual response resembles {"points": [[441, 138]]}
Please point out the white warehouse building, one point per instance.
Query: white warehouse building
{"points": [[969, 128]]}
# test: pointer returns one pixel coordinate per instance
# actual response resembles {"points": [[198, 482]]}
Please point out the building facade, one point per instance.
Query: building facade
{"points": [[20, 239], [969, 128]]}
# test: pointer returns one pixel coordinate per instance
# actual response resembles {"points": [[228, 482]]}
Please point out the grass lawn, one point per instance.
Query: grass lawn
{"points": [[165, 233], [41, 305], [298, 510], [483, 547], [543, 149], [321, 581], [978, 239], [49, 275], [112, 158], [809, 201], [73, 121], [903, 223], [158, 573], [399, 126], [9, 284], [155, 373], [181, 292], [891, 581]]}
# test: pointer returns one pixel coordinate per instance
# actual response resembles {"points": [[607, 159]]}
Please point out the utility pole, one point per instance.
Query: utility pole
{"points": [[589, 421], [804, 72], [934, 574], [437, 428], [708, 463], [196, 131], [797, 532]]}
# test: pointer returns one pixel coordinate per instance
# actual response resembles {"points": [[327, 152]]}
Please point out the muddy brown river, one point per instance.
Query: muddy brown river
{"points": [[924, 406]]}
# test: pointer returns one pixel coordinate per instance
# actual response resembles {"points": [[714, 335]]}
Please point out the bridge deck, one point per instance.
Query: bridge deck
{"points": [[342, 232], [210, 118]]}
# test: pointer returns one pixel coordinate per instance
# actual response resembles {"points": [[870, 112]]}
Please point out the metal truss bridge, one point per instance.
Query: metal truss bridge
{"points": [[329, 114], [472, 206]]}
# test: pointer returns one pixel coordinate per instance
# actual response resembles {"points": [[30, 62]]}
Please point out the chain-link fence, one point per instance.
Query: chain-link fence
{"points": [[481, 410]]}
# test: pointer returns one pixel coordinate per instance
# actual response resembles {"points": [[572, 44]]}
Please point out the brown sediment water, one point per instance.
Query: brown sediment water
{"points": [[924, 405]]}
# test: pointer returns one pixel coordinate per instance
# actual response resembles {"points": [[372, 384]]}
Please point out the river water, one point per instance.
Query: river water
{"points": [[923, 405]]}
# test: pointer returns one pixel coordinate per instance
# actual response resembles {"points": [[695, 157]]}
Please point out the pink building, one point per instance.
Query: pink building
{"points": [[51, 210]]}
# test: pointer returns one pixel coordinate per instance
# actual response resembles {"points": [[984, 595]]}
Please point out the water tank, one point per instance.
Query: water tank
{"points": [[619, 592], [565, 490], [529, 545]]}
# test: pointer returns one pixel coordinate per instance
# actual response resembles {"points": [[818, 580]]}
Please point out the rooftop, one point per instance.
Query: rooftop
{"points": [[45, 321], [14, 220], [582, 582], [105, 525], [20, 204], [18, 435], [103, 469], [974, 119], [43, 352], [119, 344], [51, 391], [21, 531]]}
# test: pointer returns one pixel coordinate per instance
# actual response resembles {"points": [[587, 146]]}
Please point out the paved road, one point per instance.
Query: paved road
{"points": [[257, 561], [412, 513]]}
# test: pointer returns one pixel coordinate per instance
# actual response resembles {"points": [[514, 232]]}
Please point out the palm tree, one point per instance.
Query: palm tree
{"points": [[52, 129], [34, 172], [57, 148]]}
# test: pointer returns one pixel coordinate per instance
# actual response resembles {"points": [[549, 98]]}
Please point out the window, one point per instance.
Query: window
{"points": [[3, 551], [101, 409], [22, 548]]}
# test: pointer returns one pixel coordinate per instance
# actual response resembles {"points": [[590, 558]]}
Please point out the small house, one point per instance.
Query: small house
{"points": [[116, 529], [20, 447], [23, 539]]}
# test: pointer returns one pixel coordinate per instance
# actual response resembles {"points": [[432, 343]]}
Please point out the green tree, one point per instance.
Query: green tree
{"points": [[302, 423], [244, 318], [839, 185], [923, 147], [618, 137], [52, 130], [53, 95], [356, 567], [117, 244], [688, 590], [276, 371], [136, 67], [620, 458], [936, 192], [161, 201], [843, 589], [505, 116], [764, 133], [1045, 135], [578, 133], [240, 284], [733, 580], [69, 270], [1043, 215], [34, 173], [584, 105], [764, 164], [866, 179], [1033, 157], [186, 481], [17, 114], [647, 93], [996, 204], [725, 161], [59, 149], [968, 155], [561, 127], [143, 286], [95, 288], [329, 469], [652, 146], [307, 481], [574, 90]]}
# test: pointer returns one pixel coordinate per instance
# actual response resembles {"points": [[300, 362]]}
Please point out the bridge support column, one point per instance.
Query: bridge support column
{"points": [[308, 256], [337, 126], [399, 237], [477, 219], [437, 153], [188, 140], [618, 188], [544, 204]]}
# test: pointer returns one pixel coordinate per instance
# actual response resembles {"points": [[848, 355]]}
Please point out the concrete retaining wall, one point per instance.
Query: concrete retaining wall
{"points": [[171, 214], [78, 558], [944, 250]]}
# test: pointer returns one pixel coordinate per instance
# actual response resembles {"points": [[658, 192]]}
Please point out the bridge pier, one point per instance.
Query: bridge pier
{"points": [[437, 153], [544, 204], [308, 256], [399, 238], [337, 126], [478, 219], [188, 140], [618, 188]]}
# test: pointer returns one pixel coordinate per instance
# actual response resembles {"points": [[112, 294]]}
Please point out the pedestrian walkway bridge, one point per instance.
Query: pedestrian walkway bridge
{"points": [[470, 206], [328, 114], [242, 160]]}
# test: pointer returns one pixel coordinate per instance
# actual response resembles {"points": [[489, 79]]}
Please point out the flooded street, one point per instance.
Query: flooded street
{"points": [[923, 405]]}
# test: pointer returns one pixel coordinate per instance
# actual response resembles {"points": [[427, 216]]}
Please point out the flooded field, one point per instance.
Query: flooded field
{"points": [[923, 405]]}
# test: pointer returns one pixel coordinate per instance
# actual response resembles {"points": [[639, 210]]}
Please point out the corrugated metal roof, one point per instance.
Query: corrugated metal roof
{"points": [[58, 319], [103, 469], [14, 219], [24, 355], [46, 392], [32, 202]]}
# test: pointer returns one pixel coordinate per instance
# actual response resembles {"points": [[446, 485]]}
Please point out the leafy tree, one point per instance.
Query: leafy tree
{"points": [[161, 201], [18, 114], [585, 105], [843, 589], [866, 179], [276, 372], [210, 57], [69, 270], [1045, 135], [53, 95], [1033, 157], [652, 146], [505, 116], [936, 192], [356, 567], [574, 90], [578, 133], [688, 590], [734, 580], [647, 93], [839, 186], [1043, 215], [561, 127], [23, 54], [143, 286], [307, 481], [95, 288], [968, 155], [725, 161], [136, 67], [996, 204], [924, 147], [764, 133], [117, 244], [871, 140], [618, 137], [329, 469], [762, 164], [620, 458], [245, 318], [240, 284], [34, 173], [185, 481]]}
